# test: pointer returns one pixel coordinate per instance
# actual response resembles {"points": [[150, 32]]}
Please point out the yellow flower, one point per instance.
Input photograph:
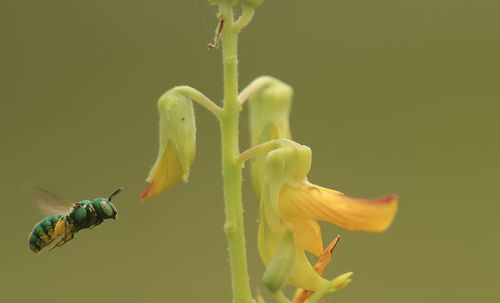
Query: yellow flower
{"points": [[177, 143], [288, 199], [164, 174]]}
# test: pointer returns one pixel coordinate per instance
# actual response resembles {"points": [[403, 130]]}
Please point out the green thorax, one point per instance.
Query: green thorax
{"points": [[86, 213]]}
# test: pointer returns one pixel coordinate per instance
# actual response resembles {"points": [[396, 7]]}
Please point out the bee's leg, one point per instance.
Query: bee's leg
{"points": [[94, 218], [67, 231], [65, 227], [64, 236], [97, 223]]}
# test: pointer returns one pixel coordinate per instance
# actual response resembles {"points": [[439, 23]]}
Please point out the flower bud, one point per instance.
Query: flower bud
{"points": [[269, 111], [177, 143]]}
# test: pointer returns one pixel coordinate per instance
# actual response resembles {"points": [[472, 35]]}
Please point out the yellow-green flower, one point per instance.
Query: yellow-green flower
{"points": [[269, 115], [177, 143], [289, 200]]}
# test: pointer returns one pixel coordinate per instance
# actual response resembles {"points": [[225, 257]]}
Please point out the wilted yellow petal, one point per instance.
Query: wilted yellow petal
{"points": [[165, 173], [318, 203]]}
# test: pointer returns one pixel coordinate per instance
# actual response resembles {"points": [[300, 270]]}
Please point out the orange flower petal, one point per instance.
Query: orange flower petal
{"points": [[165, 173], [319, 203], [326, 257]]}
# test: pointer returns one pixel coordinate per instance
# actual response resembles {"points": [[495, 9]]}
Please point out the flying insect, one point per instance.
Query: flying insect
{"points": [[56, 230]]}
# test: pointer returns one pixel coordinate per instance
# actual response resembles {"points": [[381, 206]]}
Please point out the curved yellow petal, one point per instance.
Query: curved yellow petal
{"points": [[303, 274], [307, 235], [318, 203], [165, 173], [302, 295]]}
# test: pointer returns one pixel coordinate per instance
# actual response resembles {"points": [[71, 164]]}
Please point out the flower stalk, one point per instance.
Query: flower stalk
{"points": [[231, 169], [262, 148], [290, 204], [200, 98]]}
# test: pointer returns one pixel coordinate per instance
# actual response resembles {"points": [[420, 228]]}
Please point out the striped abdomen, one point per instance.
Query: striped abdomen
{"points": [[43, 233]]}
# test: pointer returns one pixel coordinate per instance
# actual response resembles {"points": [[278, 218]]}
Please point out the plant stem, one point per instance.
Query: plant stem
{"points": [[245, 18], [231, 169]]}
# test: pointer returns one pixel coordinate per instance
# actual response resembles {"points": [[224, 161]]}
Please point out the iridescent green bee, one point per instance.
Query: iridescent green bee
{"points": [[56, 230]]}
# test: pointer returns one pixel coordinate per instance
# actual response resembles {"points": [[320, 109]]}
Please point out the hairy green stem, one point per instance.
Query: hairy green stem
{"points": [[231, 169]]}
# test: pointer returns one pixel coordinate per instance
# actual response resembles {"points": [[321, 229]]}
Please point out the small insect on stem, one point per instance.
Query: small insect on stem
{"points": [[220, 27], [115, 193]]}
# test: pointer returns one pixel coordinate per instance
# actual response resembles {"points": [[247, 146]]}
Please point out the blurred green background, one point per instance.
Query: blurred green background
{"points": [[392, 96]]}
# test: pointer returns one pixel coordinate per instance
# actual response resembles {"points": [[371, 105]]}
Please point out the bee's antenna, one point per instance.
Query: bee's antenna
{"points": [[115, 193]]}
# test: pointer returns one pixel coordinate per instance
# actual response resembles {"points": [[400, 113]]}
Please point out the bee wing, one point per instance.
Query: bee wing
{"points": [[49, 203]]}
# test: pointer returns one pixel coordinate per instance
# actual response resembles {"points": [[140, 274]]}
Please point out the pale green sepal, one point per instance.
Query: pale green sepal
{"points": [[269, 112], [287, 164], [278, 271], [336, 284], [177, 123]]}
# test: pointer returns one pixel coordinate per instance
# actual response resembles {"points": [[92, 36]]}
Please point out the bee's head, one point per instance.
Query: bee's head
{"points": [[105, 208]]}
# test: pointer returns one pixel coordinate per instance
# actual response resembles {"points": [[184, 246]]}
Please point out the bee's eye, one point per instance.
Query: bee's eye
{"points": [[106, 208]]}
